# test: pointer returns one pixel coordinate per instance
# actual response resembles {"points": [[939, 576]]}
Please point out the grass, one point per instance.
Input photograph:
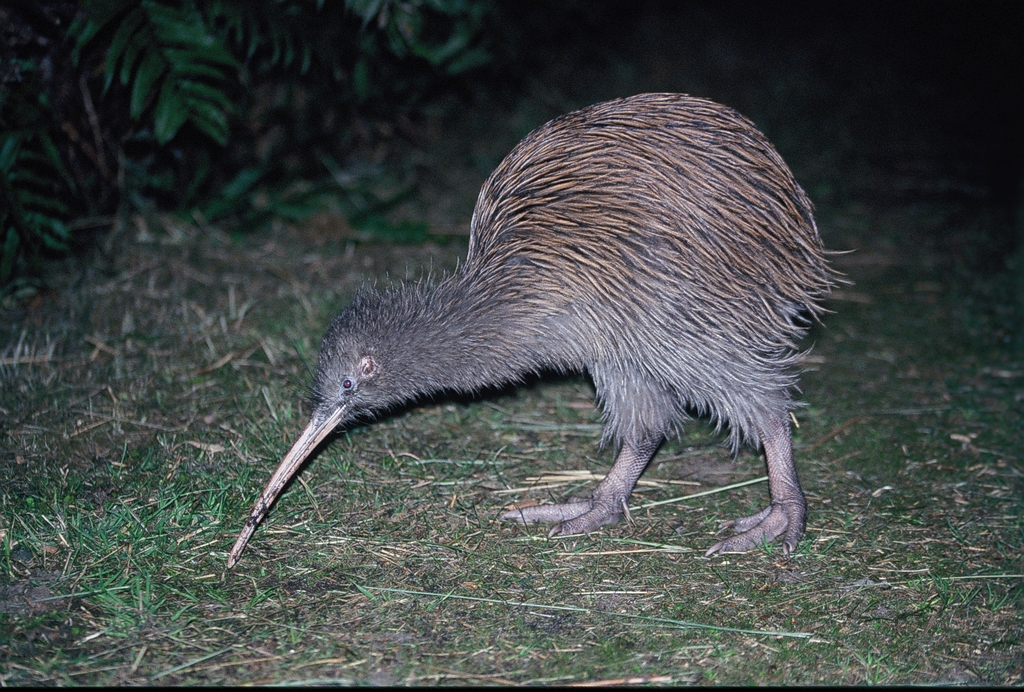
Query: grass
{"points": [[134, 458], [145, 400]]}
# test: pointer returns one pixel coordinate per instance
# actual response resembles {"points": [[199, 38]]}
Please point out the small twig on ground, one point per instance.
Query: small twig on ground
{"points": [[616, 682], [835, 431], [692, 496]]}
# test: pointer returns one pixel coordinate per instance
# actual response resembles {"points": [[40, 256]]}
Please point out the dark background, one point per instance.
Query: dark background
{"points": [[866, 101], [909, 90]]}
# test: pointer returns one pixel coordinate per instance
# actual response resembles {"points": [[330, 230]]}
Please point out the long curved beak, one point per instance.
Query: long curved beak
{"points": [[313, 435]]}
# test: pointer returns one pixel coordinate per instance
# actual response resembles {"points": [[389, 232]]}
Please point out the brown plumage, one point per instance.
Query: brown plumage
{"points": [[657, 243]]}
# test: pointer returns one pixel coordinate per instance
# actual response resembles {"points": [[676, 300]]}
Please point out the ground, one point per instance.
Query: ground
{"points": [[151, 389]]}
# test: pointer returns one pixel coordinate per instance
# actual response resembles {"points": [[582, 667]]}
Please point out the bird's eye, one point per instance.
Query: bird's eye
{"points": [[346, 384]]}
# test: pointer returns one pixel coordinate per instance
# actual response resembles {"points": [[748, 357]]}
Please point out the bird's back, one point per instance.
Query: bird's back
{"points": [[654, 203], [659, 240]]}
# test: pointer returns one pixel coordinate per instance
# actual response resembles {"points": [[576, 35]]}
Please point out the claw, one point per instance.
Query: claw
{"points": [[605, 506], [762, 528], [625, 510]]}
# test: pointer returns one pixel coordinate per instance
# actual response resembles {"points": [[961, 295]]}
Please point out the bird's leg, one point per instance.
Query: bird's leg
{"points": [[605, 506], [786, 516]]}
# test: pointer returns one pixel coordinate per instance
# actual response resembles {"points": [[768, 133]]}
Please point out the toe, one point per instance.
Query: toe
{"points": [[547, 513], [772, 523]]}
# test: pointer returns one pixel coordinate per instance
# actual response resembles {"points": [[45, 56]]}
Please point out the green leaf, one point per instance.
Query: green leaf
{"points": [[200, 91], [367, 9], [275, 55], [436, 55], [152, 68], [255, 40], [10, 251], [289, 50], [11, 142], [126, 31], [54, 240], [361, 79], [53, 156], [242, 183], [202, 51], [171, 113], [183, 66], [21, 177], [232, 194], [185, 28], [469, 60], [41, 203], [209, 119], [201, 172], [98, 14], [136, 49], [28, 154]]}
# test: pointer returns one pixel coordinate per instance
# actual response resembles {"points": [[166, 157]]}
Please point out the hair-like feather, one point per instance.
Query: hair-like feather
{"points": [[657, 242]]}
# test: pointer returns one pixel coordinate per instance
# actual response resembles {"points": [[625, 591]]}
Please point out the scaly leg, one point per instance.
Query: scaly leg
{"points": [[787, 514], [605, 506]]}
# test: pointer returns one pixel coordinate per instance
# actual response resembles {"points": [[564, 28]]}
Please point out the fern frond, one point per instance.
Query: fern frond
{"points": [[178, 68]]}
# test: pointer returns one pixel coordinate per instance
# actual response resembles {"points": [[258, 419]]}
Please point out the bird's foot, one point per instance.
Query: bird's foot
{"points": [[578, 515], [778, 519], [605, 506]]}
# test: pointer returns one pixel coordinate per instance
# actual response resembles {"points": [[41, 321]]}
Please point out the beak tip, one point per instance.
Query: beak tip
{"points": [[314, 433]]}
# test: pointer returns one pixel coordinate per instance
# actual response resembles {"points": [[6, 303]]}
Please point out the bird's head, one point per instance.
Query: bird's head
{"points": [[347, 386]]}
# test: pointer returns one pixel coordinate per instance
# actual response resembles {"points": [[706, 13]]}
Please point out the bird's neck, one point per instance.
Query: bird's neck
{"points": [[460, 336]]}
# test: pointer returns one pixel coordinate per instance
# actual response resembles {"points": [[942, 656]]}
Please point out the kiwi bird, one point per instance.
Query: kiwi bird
{"points": [[657, 243]]}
